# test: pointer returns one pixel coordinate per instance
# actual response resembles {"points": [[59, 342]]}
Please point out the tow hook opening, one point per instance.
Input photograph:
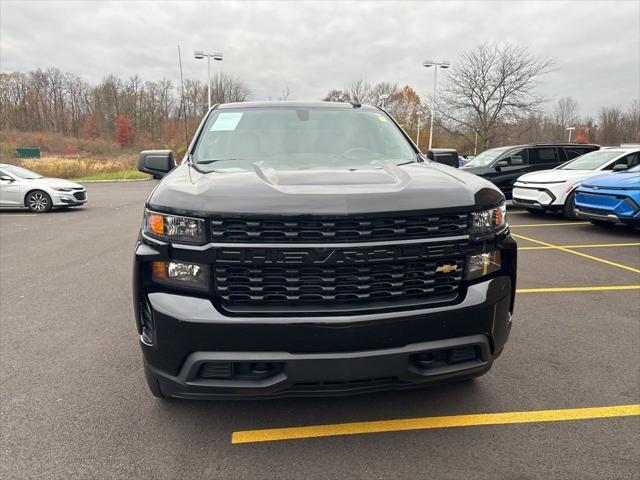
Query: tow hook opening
{"points": [[239, 370], [444, 357]]}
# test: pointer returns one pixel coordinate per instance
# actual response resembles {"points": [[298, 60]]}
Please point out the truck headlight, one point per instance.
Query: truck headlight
{"points": [[483, 264], [489, 221], [181, 274], [174, 227]]}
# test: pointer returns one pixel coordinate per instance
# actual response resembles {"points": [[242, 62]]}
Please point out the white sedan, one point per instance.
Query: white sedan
{"points": [[22, 188], [555, 189]]}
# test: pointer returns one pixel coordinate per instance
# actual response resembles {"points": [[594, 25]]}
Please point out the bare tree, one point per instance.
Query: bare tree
{"points": [[609, 129], [285, 94], [565, 115], [360, 92], [489, 86], [631, 123], [385, 88], [335, 95]]}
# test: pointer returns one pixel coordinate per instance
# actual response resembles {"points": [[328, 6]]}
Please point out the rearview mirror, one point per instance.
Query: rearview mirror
{"points": [[7, 178], [156, 162], [501, 163], [619, 167]]}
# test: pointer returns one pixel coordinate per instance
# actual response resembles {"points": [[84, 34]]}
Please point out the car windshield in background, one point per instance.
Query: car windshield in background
{"points": [[299, 138], [21, 172], [485, 158], [591, 160]]}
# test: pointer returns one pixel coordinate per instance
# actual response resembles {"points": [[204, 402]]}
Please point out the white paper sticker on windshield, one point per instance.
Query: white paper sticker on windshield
{"points": [[226, 122]]}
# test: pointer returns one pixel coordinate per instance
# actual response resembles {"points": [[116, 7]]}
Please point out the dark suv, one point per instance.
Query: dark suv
{"points": [[504, 165], [309, 249]]}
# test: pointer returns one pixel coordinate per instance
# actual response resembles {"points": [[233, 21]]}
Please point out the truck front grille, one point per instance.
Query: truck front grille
{"points": [[318, 278], [338, 229]]}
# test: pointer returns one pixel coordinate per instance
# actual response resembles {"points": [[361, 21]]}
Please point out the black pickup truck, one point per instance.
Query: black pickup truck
{"points": [[309, 249]]}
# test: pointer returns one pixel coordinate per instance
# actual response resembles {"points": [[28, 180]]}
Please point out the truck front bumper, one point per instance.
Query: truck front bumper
{"points": [[197, 352]]}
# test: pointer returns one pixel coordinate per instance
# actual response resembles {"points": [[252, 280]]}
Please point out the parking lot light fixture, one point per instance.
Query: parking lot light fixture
{"points": [[437, 65], [217, 56], [570, 130], [382, 99]]}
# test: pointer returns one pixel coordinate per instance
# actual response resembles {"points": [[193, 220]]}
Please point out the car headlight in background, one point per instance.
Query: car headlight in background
{"points": [[181, 274], [483, 264], [174, 227], [489, 221], [62, 189]]}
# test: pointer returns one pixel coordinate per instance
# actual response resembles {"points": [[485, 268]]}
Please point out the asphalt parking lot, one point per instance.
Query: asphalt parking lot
{"points": [[74, 403]]}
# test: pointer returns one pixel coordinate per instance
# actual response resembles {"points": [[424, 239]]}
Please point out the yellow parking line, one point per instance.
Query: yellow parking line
{"points": [[578, 289], [548, 224], [593, 245], [590, 257], [357, 428]]}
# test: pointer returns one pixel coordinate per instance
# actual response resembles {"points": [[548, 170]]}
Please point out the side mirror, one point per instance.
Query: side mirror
{"points": [[156, 162], [620, 167], [7, 178], [500, 164]]}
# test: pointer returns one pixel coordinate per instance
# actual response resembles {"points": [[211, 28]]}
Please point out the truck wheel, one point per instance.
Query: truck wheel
{"points": [[152, 383], [569, 207], [38, 201]]}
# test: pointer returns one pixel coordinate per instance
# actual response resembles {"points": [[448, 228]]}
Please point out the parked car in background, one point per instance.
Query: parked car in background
{"points": [[611, 198], [22, 188], [504, 165], [555, 189], [446, 156]]}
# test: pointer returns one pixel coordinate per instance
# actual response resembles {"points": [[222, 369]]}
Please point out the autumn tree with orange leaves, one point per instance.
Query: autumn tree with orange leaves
{"points": [[123, 131]]}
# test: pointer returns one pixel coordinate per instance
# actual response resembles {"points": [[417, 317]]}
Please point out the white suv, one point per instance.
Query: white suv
{"points": [[555, 189]]}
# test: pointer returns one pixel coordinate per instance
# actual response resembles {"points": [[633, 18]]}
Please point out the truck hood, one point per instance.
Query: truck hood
{"points": [[615, 180], [553, 176], [329, 191]]}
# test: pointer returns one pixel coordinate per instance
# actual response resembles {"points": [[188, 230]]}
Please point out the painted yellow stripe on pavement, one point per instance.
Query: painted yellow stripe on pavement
{"points": [[590, 257], [357, 428], [548, 224], [591, 245], [578, 289]]}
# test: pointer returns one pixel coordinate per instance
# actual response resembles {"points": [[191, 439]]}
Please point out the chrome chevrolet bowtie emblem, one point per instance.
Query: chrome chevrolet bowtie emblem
{"points": [[447, 268]]}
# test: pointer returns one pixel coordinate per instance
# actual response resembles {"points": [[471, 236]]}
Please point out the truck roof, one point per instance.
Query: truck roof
{"points": [[296, 104]]}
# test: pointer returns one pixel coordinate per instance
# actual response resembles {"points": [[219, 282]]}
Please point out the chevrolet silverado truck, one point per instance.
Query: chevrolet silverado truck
{"points": [[304, 249]]}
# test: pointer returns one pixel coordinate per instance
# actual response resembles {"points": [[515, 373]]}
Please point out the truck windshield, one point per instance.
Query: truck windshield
{"points": [[486, 158], [591, 160], [298, 138]]}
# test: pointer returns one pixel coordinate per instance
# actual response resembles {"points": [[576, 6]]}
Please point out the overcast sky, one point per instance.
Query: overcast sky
{"points": [[311, 47]]}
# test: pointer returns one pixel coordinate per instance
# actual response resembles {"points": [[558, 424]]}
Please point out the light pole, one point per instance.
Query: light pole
{"points": [[442, 64], [418, 133], [475, 145], [382, 98], [199, 55], [570, 129]]}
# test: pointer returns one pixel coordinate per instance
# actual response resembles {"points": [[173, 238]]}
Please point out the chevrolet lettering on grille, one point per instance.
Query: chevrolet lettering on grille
{"points": [[337, 256]]}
